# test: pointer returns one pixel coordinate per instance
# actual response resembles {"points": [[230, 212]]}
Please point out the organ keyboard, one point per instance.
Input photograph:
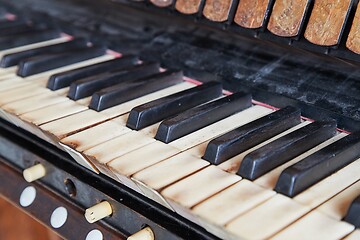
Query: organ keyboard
{"points": [[239, 164]]}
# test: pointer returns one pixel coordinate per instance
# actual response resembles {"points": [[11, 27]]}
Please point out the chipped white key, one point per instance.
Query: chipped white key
{"points": [[315, 226], [233, 201], [267, 219], [338, 206]]}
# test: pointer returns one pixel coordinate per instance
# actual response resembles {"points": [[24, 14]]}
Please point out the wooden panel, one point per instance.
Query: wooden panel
{"points": [[188, 6], [353, 41], [326, 22], [217, 10], [287, 16], [251, 14], [11, 218]]}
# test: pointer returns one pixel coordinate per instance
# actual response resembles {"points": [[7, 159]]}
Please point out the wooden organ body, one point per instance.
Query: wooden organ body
{"points": [[198, 119]]}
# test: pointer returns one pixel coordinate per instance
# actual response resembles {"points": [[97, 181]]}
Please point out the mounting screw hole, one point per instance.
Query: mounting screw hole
{"points": [[70, 187]]}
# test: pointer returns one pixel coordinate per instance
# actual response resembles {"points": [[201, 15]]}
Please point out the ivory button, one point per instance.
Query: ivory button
{"points": [[34, 173], [143, 234], [98, 212]]}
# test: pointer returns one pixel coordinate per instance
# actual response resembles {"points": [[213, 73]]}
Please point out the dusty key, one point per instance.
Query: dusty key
{"points": [[64, 79], [327, 21], [188, 6], [252, 14], [285, 148], [36, 65], [87, 86], [217, 10], [319, 165], [287, 17], [157, 110], [197, 118], [353, 214], [126, 91], [355, 235], [13, 59], [315, 226], [251, 134]]}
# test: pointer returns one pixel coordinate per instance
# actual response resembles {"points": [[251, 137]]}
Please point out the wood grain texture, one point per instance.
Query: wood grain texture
{"points": [[188, 6], [251, 13], [217, 10], [353, 40], [286, 17], [162, 3], [12, 218], [326, 22]]}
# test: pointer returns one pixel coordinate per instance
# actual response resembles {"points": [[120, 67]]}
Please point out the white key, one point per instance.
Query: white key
{"points": [[232, 202], [199, 186], [267, 219], [220, 127], [32, 103], [232, 165], [355, 235], [101, 154], [98, 134], [269, 179], [21, 93], [34, 45], [52, 112], [338, 206], [169, 171], [315, 226], [330, 186]]}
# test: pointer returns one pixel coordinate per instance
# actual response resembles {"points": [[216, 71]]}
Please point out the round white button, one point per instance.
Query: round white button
{"points": [[27, 196], [58, 217], [94, 235]]}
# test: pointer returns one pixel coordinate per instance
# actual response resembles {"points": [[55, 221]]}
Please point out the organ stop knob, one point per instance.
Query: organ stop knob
{"points": [[34, 173], [143, 234], [98, 212]]}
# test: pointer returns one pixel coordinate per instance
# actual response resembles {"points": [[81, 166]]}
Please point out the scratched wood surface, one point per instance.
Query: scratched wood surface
{"points": [[14, 224], [217, 10], [251, 14], [188, 6], [353, 40], [326, 22], [286, 17]]}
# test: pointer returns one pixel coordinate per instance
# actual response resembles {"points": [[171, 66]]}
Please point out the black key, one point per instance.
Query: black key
{"points": [[13, 30], [12, 24], [130, 90], [199, 117], [14, 58], [249, 135], [305, 173], [88, 86], [353, 214], [162, 108], [34, 36], [64, 79], [272, 155], [44, 63]]}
